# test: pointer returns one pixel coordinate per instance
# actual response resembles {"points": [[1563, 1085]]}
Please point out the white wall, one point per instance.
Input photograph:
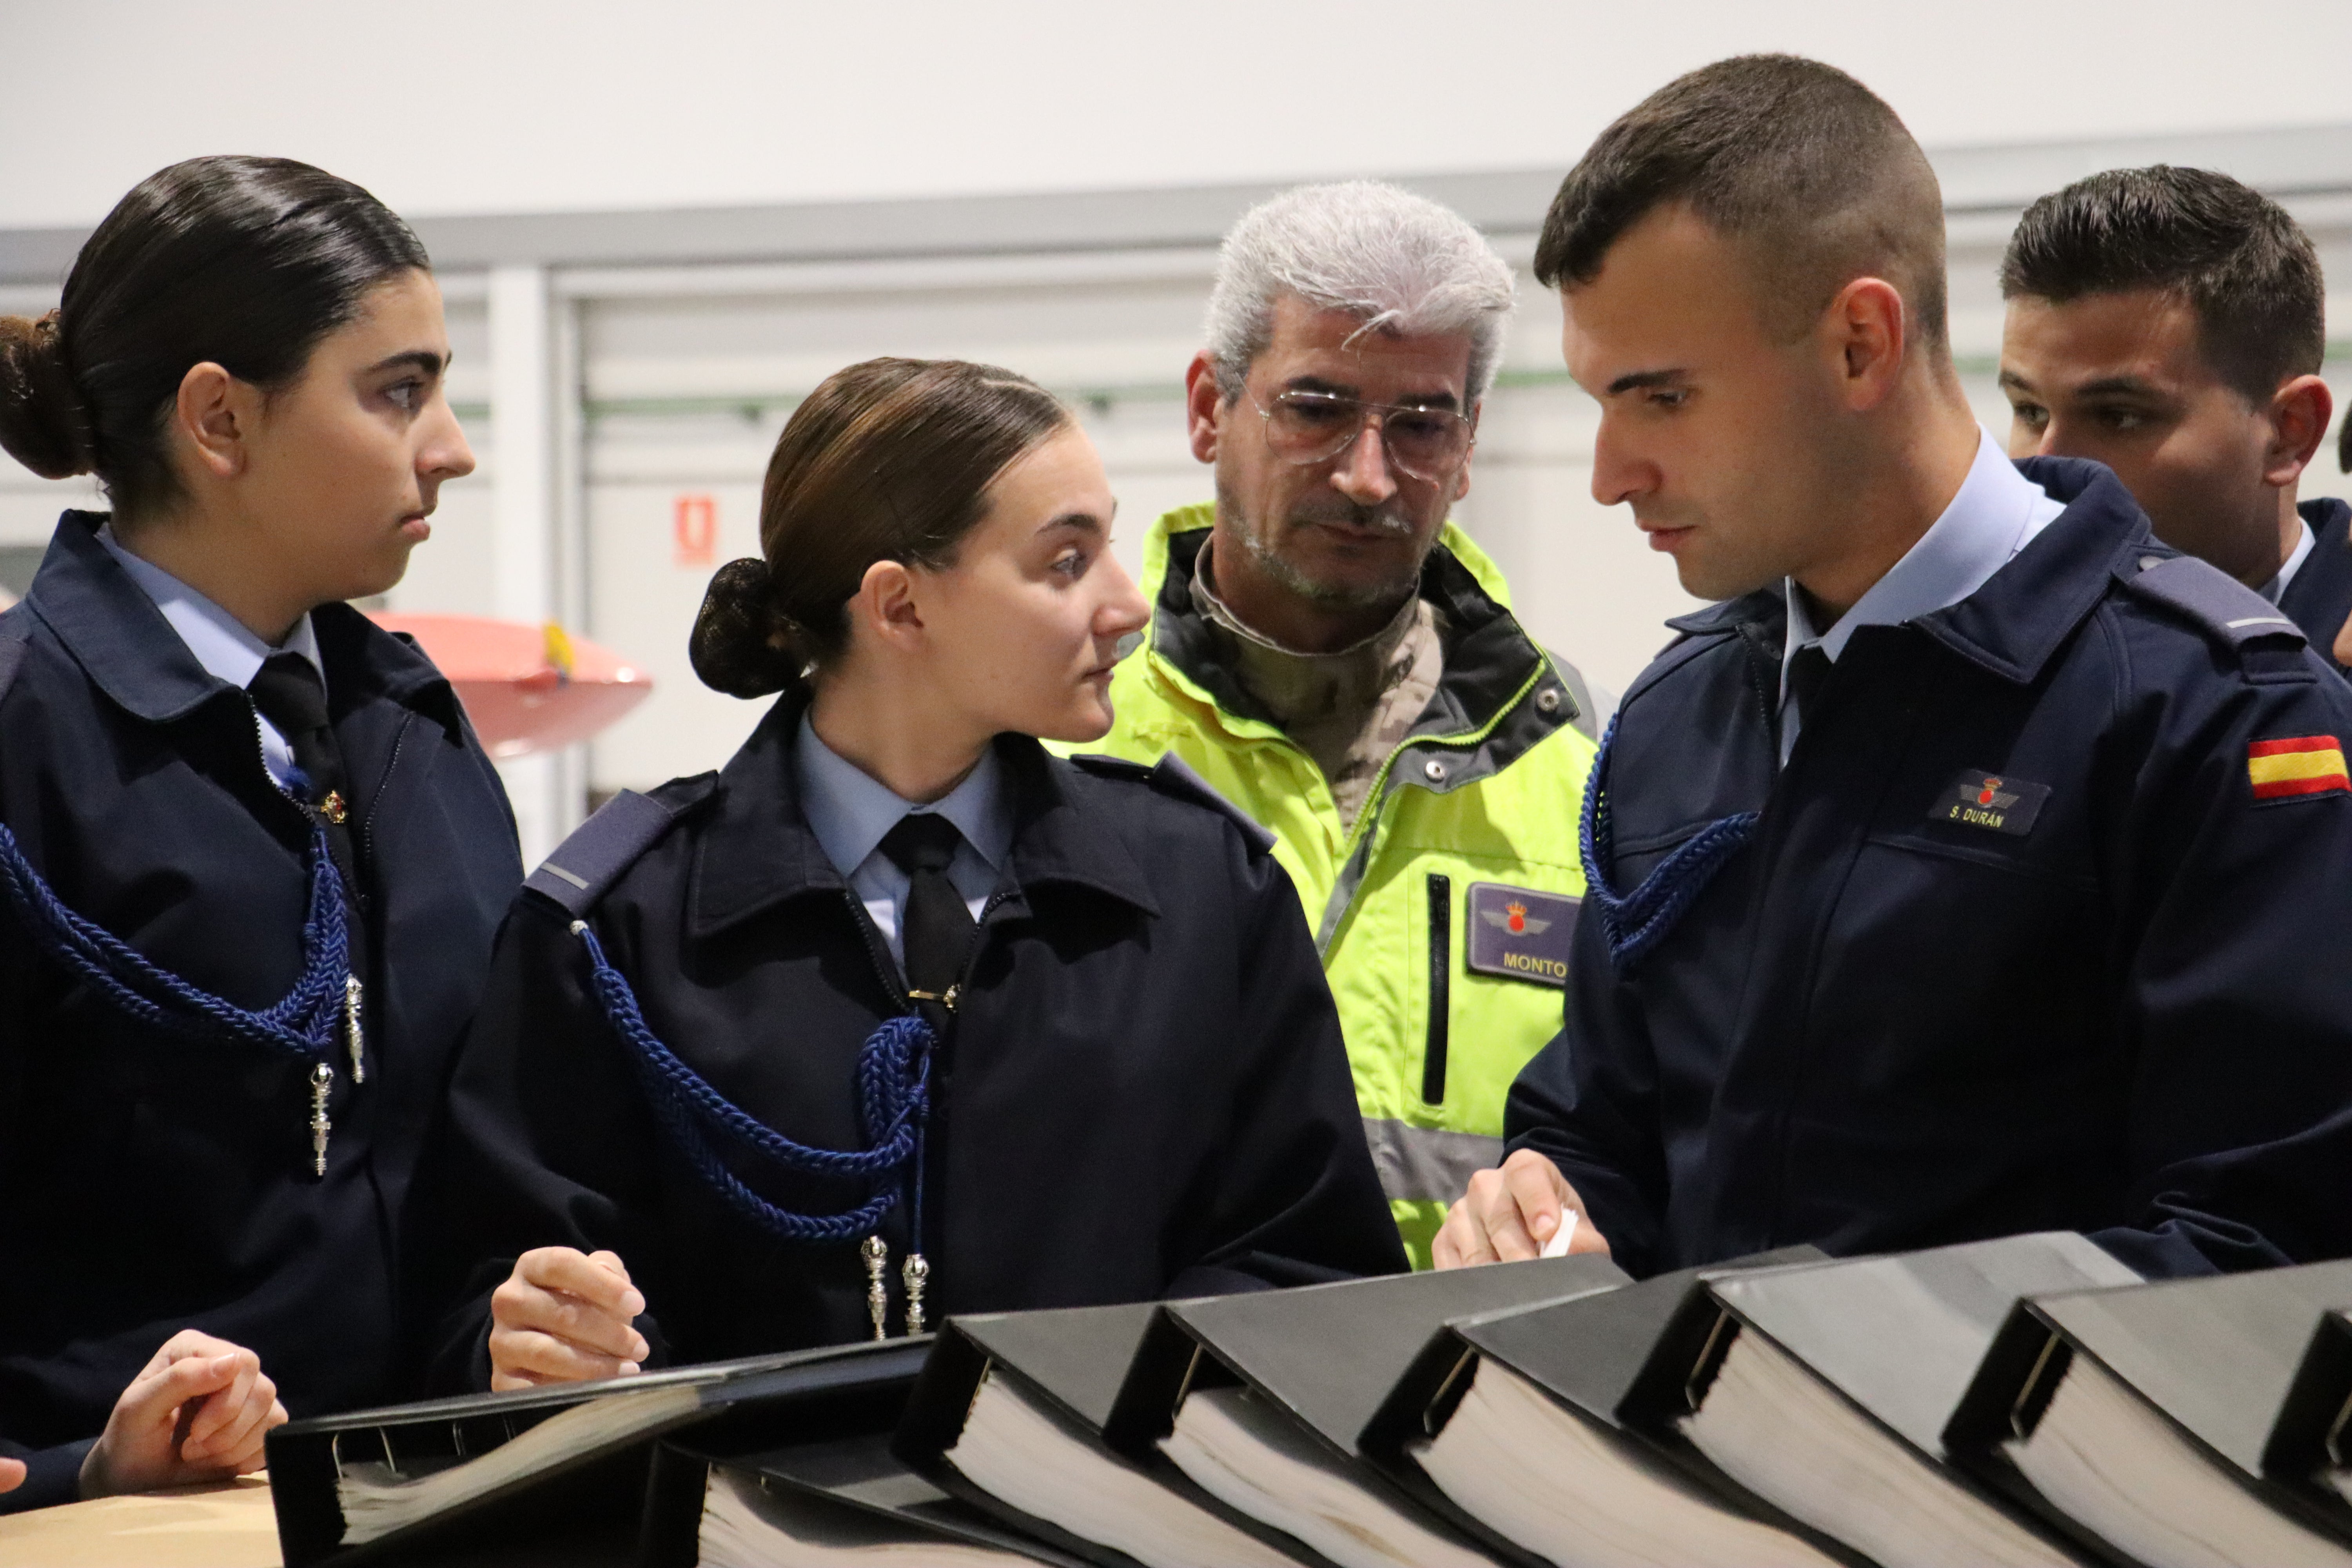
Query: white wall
{"points": [[685, 396], [454, 106], [523, 106]]}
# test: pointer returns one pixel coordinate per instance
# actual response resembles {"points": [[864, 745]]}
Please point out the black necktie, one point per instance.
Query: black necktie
{"points": [[1807, 670], [935, 927], [289, 693]]}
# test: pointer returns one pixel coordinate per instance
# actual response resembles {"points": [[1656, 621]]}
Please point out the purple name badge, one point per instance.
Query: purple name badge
{"points": [[1520, 933]]}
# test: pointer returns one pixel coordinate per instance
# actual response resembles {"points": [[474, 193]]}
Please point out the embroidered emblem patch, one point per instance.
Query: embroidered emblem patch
{"points": [[1994, 802], [2296, 766], [1520, 933]]}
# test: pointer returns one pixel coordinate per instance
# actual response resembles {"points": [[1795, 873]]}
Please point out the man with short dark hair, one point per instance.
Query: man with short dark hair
{"points": [[1962, 872], [2169, 322]]}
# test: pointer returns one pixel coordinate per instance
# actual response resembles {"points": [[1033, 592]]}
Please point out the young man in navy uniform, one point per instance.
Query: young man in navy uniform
{"points": [[1960, 873], [2170, 323]]}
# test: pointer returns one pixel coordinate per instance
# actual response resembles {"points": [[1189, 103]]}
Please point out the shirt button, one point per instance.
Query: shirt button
{"points": [[1548, 700], [1435, 770]]}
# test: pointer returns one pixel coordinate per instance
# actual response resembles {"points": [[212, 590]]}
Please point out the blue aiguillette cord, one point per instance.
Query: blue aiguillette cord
{"points": [[306, 1022], [1637, 921], [894, 1069]]}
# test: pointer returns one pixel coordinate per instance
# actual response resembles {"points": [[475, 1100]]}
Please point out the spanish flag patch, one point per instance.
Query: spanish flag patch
{"points": [[2299, 766]]}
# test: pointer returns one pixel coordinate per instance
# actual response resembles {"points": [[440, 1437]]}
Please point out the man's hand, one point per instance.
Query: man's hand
{"points": [[1509, 1213], [564, 1316], [12, 1475], [197, 1413]]}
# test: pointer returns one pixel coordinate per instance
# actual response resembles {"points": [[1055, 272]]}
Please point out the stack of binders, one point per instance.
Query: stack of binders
{"points": [[2168, 1423], [1259, 1400], [1513, 1424], [2023, 1401]]}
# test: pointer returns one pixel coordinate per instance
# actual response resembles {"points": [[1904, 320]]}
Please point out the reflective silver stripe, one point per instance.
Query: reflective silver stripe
{"points": [[552, 866], [1427, 1165]]}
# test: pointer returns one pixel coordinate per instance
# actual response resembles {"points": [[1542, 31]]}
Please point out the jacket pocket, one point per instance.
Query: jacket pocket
{"points": [[1998, 857]]}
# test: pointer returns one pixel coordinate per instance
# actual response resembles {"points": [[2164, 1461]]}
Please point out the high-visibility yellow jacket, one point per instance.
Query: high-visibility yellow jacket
{"points": [[1443, 916]]}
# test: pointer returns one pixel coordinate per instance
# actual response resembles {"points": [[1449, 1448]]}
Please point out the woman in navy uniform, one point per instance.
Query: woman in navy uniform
{"points": [[896, 1015], [251, 858]]}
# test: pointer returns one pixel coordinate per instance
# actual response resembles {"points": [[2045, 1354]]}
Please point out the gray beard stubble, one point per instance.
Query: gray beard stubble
{"points": [[1331, 595]]}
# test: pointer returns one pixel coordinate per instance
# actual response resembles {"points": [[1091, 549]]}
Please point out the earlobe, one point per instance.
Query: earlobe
{"points": [[2300, 414], [886, 602], [1868, 316], [211, 416], [1203, 406]]}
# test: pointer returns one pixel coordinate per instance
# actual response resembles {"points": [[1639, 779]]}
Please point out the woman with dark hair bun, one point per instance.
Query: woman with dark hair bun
{"points": [[251, 858], [898, 1014]]}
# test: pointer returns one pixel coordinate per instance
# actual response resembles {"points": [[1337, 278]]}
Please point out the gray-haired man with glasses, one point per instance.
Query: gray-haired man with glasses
{"points": [[1339, 659]]}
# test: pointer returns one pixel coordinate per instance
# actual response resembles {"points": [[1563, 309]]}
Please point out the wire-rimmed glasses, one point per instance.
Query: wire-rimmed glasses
{"points": [[1307, 427]]}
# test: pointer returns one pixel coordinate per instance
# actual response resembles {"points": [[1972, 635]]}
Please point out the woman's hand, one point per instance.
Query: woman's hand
{"points": [[12, 1475], [197, 1411], [564, 1316]]}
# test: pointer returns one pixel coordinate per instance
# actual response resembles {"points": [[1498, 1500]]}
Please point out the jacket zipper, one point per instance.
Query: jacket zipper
{"points": [[1441, 987], [1357, 858], [366, 834]]}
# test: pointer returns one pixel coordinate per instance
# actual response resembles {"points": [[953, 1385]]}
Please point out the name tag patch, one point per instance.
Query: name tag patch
{"points": [[1994, 802], [1520, 933]]}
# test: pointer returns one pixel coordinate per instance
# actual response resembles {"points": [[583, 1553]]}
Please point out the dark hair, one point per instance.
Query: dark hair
{"points": [[2239, 263], [887, 461], [1806, 169], [247, 262]]}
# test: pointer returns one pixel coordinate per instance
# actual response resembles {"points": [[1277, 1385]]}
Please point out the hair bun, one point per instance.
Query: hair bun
{"points": [[742, 645], [44, 424]]}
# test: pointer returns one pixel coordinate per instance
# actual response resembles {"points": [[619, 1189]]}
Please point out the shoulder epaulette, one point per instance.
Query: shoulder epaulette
{"points": [[2226, 609], [590, 861], [1172, 776]]}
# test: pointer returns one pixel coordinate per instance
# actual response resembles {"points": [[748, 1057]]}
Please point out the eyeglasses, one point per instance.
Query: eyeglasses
{"points": [[1309, 427]]}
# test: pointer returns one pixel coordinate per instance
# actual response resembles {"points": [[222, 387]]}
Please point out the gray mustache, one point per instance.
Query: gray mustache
{"points": [[1372, 520]]}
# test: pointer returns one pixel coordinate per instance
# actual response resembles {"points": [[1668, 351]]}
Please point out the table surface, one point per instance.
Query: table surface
{"points": [[230, 1525]]}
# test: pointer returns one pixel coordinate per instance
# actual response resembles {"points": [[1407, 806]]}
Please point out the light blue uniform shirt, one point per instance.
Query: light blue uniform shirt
{"points": [[1995, 513], [221, 642], [849, 811]]}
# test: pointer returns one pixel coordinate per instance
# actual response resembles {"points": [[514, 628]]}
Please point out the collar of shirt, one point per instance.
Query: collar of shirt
{"points": [[1996, 513], [2277, 587], [221, 643], [849, 810]]}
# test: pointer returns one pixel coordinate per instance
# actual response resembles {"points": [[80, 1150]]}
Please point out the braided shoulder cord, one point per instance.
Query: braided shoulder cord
{"points": [[1636, 922], [678, 1122], [304, 1023], [894, 1098]]}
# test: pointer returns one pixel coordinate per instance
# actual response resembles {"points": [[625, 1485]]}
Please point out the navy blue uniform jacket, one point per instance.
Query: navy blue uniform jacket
{"points": [[1143, 1091], [2122, 1011], [2320, 596], [150, 1181]]}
